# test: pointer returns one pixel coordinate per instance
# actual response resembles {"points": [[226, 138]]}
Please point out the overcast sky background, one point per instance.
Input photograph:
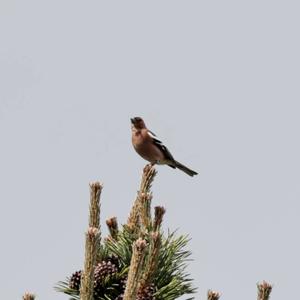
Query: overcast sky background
{"points": [[218, 81]]}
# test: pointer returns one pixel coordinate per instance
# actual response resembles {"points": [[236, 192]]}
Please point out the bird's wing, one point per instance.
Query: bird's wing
{"points": [[151, 133], [161, 146]]}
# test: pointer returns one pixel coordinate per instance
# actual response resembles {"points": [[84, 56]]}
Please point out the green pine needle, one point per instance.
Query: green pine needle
{"points": [[170, 279]]}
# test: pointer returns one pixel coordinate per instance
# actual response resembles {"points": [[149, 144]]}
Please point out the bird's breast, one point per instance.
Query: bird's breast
{"points": [[146, 149]]}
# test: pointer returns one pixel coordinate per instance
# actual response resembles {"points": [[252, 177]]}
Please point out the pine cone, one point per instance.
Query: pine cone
{"points": [[75, 280], [103, 270], [114, 260], [107, 268]]}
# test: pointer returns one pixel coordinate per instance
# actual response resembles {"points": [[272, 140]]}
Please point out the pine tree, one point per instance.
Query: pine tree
{"points": [[138, 261]]}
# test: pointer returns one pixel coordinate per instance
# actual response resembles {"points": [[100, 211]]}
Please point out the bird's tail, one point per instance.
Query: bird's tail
{"points": [[184, 168]]}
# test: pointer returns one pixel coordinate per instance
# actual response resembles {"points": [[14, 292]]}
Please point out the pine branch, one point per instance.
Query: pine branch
{"points": [[135, 270], [134, 221], [152, 260], [151, 265], [92, 243], [212, 295], [91, 249], [28, 296], [145, 210], [95, 192], [149, 173], [170, 276], [264, 290]]}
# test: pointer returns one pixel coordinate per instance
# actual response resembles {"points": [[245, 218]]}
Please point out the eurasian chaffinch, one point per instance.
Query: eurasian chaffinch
{"points": [[150, 148]]}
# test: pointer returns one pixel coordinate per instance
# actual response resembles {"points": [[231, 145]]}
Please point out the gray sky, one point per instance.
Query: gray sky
{"points": [[218, 81]]}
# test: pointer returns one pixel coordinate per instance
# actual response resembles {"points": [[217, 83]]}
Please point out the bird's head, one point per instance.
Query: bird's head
{"points": [[137, 123]]}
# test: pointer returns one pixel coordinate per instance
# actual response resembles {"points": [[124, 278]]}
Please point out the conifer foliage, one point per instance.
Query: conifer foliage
{"points": [[137, 261]]}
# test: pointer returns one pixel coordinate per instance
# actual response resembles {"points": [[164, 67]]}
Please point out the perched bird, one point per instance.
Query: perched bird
{"points": [[150, 148]]}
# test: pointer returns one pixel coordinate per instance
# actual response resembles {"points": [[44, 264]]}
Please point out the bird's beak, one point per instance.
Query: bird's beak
{"points": [[132, 120]]}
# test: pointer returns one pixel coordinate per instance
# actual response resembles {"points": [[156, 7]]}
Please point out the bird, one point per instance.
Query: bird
{"points": [[148, 146]]}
